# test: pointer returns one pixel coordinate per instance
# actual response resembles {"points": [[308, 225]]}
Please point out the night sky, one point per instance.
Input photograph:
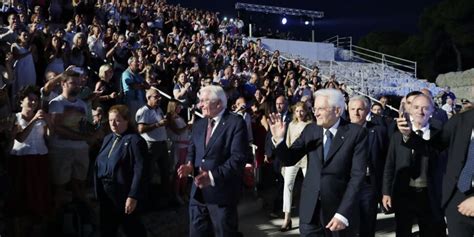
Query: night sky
{"points": [[342, 17]]}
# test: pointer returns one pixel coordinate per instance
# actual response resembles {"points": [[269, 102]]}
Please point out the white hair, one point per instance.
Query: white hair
{"points": [[215, 93], [361, 98], [335, 97]]}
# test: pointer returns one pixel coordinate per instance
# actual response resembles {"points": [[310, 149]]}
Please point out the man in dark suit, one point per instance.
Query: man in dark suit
{"points": [[337, 161], [370, 192], [458, 190], [281, 108], [411, 182], [217, 155]]}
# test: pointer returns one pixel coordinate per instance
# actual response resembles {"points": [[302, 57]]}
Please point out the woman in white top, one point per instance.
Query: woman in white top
{"points": [[28, 162], [178, 132], [24, 65], [301, 118]]}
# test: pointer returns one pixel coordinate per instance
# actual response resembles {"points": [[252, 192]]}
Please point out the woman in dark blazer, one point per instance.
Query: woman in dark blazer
{"points": [[119, 176]]}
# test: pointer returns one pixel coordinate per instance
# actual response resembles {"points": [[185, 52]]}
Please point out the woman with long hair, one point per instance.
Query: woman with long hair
{"points": [[54, 54], [24, 65], [301, 118], [178, 132]]}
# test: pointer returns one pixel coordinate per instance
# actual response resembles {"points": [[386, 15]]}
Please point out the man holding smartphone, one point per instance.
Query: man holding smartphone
{"points": [[411, 179]]}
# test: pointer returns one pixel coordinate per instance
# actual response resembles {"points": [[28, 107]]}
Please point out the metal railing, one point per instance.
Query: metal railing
{"points": [[346, 80], [371, 56]]}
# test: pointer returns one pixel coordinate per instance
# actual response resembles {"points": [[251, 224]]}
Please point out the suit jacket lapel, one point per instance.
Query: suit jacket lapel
{"points": [[218, 131], [201, 135], [337, 141]]}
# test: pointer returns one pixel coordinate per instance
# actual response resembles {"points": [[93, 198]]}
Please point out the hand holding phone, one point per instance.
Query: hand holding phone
{"points": [[403, 121]]}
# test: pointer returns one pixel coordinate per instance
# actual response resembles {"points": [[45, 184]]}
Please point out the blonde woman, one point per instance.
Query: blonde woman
{"points": [[301, 118], [178, 132], [105, 88]]}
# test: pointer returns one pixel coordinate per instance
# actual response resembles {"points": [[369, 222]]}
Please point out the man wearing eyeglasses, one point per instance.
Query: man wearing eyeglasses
{"points": [[337, 161]]}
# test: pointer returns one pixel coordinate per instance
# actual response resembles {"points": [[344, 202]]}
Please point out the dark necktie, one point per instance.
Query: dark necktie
{"points": [[416, 168], [210, 126], [117, 138], [327, 144], [467, 173]]}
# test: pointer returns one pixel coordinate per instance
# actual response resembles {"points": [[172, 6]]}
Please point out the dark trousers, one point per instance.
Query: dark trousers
{"points": [[112, 215], [160, 157], [416, 205], [317, 227], [212, 220], [458, 224], [367, 209]]}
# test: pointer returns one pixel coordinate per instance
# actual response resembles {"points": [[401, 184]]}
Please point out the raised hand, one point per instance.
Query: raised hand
{"points": [[277, 126], [403, 125]]}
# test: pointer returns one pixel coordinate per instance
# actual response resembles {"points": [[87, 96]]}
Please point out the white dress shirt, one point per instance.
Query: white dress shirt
{"points": [[216, 119]]}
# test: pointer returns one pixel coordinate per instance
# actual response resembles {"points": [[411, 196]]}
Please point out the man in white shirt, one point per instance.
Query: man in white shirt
{"points": [[152, 127]]}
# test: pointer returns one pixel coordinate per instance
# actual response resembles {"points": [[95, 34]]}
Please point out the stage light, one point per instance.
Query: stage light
{"points": [[225, 18], [306, 22], [231, 19], [284, 21]]}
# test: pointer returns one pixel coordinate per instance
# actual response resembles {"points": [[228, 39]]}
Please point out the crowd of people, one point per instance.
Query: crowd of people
{"points": [[83, 107]]}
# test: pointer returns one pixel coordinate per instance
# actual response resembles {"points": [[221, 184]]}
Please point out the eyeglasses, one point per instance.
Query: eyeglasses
{"points": [[322, 109], [207, 101]]}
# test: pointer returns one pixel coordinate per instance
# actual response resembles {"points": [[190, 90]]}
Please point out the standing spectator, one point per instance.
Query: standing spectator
{"points": [[240, 108], [182, 89], [449, 107], [120, 176], [178, 132], [133, 86], [301, 118], [105, 88], [69, 32], [79, 54], [457, 191], [447, 93], [96, 44], [28, 165], [24, 69], [411, 179], [376, 109], [370, 192], [54, 54], [281, 108], [152, 127], [10, 33], [69, 147]]}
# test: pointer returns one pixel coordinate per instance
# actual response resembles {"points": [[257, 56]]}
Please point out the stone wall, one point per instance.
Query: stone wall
{"points": [[461, 83]]}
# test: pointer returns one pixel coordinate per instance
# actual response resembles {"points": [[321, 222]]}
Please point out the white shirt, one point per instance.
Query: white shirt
{"points": [[332, 129], [216, 119], [34, 144], [421, 182], [147, 115]]}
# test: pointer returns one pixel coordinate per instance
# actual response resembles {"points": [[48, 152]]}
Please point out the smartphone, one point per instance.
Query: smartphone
{"points": [[405, 114]]}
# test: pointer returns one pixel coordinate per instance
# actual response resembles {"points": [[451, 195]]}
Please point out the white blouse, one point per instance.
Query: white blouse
{"points": [[34, 143]]}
